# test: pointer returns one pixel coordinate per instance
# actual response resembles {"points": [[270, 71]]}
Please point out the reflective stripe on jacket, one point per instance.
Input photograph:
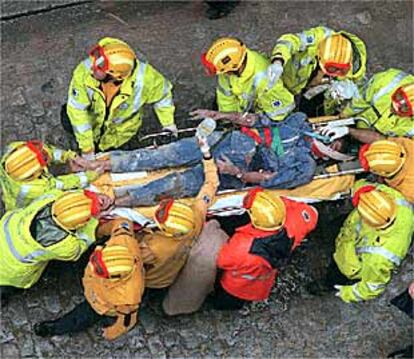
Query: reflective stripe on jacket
{"points": [[375, 104], [111, 127], [18, 194], [22, 259], [368, 255], [299, 53], [252, 91]]}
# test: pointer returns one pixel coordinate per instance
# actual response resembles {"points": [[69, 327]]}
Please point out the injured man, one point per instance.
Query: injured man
{"points": [[276, 156]]}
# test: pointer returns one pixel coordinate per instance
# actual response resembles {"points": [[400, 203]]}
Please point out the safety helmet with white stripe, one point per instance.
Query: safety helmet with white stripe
{"points": [[27, 161], [114, 58], [113, 262], [376, 208], [384, 158], [74, 209], [335, 55], [267, 211], [226, 54], [174, 218], [403, 100]]}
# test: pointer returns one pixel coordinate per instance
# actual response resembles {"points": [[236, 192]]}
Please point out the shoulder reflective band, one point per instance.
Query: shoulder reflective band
{"points": [[30, 258], [381, 252], [384, 90], [82, 128], [24, 191], [139, 84]]}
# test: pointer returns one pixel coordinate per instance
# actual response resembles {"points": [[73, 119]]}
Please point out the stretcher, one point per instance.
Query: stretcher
{"points": [[330, 183]]}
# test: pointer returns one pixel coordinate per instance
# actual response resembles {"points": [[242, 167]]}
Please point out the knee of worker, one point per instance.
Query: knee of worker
{"points": [[176, 185]]}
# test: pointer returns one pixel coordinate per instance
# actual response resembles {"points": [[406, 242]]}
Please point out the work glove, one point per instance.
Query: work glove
{"points": [[343, 90], [334, 132], [344, 292], [173, 129], [274, 71]]}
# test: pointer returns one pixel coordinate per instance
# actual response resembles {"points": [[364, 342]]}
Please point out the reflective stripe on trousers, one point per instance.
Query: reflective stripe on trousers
{"points": [[28, 259]]}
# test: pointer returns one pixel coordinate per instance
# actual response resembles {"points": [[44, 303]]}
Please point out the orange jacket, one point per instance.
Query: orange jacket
{"points": [[250, 258]]}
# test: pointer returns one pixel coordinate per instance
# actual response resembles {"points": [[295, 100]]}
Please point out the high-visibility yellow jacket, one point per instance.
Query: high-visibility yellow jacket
{"points": [[23, 259], [94, 123], [299, 53], [375, 104], [17, 194], [252, 91], [368, 255]]}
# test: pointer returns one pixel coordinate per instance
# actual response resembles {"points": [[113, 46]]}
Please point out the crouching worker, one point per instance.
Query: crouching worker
{"points": [[252, 257], [373, 241], [392, 159], [113, 286], [56, 226], [164, 252], [24, 174]]}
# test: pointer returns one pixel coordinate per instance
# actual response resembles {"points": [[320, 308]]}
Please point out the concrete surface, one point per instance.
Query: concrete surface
{"points": [[38, 54]]}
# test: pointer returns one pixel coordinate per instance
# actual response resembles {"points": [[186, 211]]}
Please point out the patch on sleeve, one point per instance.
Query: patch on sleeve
{"points": [[277, 103], [310, 39], [206, 199], [306, 216], [75, 92]]}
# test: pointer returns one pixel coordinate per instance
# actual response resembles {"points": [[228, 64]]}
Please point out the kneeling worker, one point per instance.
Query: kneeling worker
{"points": [[56, 226], [163, 253], [254, 254]]}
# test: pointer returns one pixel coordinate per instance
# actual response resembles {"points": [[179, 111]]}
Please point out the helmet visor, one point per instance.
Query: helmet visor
{"points": [[100, 62], [401, 104], [209, 67], [161, 214], [335, 69], [37, 148]]}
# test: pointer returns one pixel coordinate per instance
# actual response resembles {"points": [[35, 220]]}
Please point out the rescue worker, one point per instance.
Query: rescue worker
{"points": [[56, 226], [24, 174], [392, 159], [107, 94], [242, 83], [164, 252], [372, 243], [113, 287], [250, 260], [276, 157], [316, 60], [386, 106]]}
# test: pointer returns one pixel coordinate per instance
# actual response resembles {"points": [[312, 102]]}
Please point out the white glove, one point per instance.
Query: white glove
{"points": [[172, 128], [334, 132], [274, 71], [338, 288], [343, 90], [203, 144]]}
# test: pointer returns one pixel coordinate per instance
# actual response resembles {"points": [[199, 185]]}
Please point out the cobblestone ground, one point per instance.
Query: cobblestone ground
{"points": [[38, 54]]}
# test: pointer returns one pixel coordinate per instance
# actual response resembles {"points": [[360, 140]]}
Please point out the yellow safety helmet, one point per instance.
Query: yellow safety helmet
{"points": [[224, 55], [385, 158], [115, 58], [174, 218], [335, 55], [403, 100], [267, 211], [377, 208], [27, 161], [74, 209], [113, 262]]}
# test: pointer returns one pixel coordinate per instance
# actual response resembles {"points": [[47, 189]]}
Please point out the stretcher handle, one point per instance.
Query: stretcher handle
{"points": [[323, 119], [166, 133]]}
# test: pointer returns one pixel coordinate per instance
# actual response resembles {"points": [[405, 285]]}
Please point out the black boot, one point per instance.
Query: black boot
{"points": [[44, 329]]}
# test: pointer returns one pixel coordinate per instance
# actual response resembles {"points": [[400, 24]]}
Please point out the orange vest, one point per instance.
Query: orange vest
{"points": [[403, 181], [249, 276]]}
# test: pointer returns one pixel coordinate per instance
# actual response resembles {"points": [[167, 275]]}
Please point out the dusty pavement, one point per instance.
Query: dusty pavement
{"points": [[38, 54]]}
